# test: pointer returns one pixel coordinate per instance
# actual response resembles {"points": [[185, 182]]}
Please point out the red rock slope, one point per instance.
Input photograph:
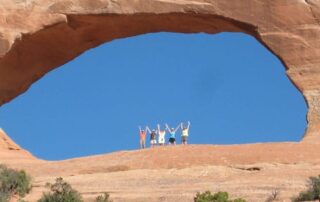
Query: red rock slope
{"points": [[13, 155]]}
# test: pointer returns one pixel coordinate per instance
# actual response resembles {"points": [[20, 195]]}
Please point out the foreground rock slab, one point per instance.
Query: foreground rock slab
{"points": [[176, 173], [181, 185]]}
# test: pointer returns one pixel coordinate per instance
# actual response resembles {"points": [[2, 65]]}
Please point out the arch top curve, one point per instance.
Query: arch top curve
{"points": [[38, 36]]}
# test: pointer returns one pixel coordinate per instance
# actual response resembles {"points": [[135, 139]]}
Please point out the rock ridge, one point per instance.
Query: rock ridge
{"points": [[6, 142]]}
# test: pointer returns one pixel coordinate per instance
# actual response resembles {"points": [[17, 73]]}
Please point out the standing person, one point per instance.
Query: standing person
{"points": [[161, 136], [143, 135], [172, 132], [153, 135], [185, 133]]}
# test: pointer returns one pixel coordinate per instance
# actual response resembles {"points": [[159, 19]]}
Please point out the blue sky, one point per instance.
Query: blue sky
{"points": [[231, 88]]}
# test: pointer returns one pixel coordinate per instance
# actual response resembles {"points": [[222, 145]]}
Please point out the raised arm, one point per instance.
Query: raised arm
{"points": [[148, 129], [140, 129], [189, 124], [177, 128], [181, 125], [167, 127], [158, 127]]}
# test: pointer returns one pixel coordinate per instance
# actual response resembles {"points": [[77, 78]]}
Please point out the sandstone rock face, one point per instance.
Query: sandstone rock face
{"points": [[6, 143], [13, 154], [37, 36], [176, 173]]}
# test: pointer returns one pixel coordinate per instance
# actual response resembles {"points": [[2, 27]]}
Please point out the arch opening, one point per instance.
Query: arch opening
{"points": [[231, 99]]}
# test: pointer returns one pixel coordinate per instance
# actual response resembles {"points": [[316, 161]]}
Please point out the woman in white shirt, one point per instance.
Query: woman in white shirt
{"points": [[185, 133], [161, 135]]}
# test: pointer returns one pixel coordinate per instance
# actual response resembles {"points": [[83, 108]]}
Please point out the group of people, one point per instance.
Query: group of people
{"points": [[158, 134]]}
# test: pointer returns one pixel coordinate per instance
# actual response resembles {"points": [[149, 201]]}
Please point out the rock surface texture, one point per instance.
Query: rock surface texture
{"points": [[176, 173], [13, 154], [37, 36], [6, 143]]}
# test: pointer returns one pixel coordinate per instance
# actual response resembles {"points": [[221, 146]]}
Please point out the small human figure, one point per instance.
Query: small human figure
{"points": [[153, 135], [185, 133], [143, 135], [172, 132], [161, 136]]}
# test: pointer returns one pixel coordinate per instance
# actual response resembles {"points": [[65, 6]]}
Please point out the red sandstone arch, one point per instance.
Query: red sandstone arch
{"points": [[38, 36]]}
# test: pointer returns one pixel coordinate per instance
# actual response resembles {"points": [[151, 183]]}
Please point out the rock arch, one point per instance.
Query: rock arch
{"points": [[37, 36]]}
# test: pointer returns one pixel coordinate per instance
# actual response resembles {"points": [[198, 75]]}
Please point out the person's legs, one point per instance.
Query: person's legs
{"points": [[160, 141], [144, 143], [172, 141], [184, 140], [153, 143]]}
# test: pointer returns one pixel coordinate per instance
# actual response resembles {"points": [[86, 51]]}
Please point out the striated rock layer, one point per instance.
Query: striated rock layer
{"points": [[13, 155], [176, 173], [6, 143], [37, 36]]}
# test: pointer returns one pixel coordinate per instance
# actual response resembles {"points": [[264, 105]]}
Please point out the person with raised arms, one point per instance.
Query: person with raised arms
{"points": [[143, 134], [185, 133], [161, 136], [172, 132], [153, 135]]}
